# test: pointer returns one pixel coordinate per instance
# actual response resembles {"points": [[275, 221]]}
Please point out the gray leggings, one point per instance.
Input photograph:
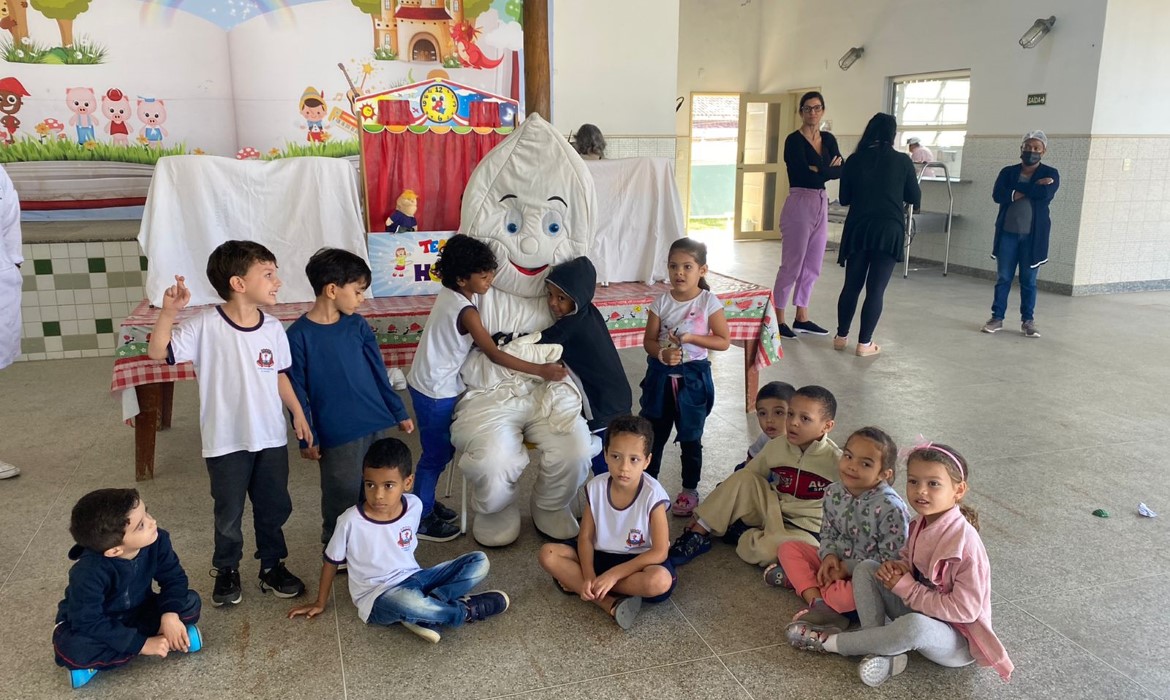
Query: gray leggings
{"points": [[907, 631]]}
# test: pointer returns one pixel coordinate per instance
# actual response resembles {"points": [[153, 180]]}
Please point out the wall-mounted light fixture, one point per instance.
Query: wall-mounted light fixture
{"points": [[850, 57], [1036, 32]]}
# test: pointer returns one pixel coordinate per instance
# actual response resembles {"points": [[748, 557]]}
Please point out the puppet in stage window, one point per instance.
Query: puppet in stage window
{"points": [[403, 220], [531, 199]]}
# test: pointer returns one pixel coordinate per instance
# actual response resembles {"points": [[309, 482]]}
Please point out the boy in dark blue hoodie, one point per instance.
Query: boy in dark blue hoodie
{"points": [[110, 613], [589, 352]]}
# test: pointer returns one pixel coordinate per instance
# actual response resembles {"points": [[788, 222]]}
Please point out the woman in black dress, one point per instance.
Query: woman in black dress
{"points": [[876, 181]]}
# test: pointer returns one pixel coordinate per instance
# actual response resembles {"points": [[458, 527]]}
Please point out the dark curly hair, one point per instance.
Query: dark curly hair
{"points": [[389, 453], [631, 425], [462, 257], [98, 521]]}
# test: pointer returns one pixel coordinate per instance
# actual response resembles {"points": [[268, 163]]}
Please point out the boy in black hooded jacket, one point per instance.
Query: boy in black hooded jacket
{"points": [[589, 352]]}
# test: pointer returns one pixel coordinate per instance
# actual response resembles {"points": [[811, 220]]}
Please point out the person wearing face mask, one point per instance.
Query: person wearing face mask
{"points": [[1023, 193]]}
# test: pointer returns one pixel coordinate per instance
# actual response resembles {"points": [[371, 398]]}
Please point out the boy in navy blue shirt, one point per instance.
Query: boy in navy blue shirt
{"points": [[110, 613], [340, 379]]}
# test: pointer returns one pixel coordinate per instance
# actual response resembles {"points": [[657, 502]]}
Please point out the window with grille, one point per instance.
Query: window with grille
{"points": [[933, 108]]}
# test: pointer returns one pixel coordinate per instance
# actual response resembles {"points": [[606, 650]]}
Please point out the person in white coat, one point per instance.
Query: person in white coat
{"points": [[10, 284]]}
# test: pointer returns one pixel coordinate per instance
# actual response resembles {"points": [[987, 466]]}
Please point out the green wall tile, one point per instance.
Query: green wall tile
{"points": [[79, 342], [51, 328], [43, 267], [97, 264], [142, 262], [31, 345], [104, 325]]}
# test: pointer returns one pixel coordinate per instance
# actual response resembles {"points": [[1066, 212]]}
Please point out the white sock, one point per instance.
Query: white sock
{"points": [[830, 643]]}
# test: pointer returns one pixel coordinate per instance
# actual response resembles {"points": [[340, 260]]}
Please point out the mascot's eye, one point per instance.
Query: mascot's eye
{"points": [[552, 223], [513, 221]]}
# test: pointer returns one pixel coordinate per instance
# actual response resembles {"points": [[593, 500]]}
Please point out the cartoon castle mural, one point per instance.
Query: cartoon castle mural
{"points": [[419, 30]]}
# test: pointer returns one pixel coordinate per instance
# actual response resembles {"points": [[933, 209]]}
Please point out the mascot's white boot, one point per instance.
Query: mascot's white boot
{"points": [[531, 200]]}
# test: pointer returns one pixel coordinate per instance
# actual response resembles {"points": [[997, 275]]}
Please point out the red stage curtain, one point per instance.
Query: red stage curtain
{"points": [[435, 166]]}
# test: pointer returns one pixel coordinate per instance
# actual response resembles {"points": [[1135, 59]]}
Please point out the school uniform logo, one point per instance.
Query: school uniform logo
{"points": [[799, 483], [405, 537], [635, 539], [266, 359]]}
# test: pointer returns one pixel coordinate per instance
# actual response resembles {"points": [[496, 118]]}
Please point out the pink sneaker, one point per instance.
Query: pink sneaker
{"points": [[684, 503]]}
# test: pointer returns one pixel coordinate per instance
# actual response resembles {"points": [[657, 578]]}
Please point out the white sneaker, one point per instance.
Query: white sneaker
{"points": [[7, 471], [875, 670], [397, 378], [431, 635]]}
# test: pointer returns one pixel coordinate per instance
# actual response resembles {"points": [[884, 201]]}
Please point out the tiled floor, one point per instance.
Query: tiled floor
{"points": [[1054, 428]]}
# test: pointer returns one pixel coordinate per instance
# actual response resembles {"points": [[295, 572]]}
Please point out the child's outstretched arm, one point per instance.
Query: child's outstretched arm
{"points": [[471, 322], [718, 338], [175, 299], [328, 572]]}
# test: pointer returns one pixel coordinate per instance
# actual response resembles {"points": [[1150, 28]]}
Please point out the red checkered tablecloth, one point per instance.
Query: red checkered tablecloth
{"points": [[398, 322]]}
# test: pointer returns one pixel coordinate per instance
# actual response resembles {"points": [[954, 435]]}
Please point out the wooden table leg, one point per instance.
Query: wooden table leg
{"points": [[166, 404], [146, 428], [751, 376]]}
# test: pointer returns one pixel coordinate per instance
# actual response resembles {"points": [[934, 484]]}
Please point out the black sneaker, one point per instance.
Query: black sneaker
{"points": [[444, 513], [281, 582], [734, 532], [481, 606], [227, 586], [689, 545], [432, 529], [786, 332], [808, 327]]}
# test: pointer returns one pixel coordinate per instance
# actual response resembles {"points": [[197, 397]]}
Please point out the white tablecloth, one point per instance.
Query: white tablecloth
{"points": [[639, 216], [293, 206]]}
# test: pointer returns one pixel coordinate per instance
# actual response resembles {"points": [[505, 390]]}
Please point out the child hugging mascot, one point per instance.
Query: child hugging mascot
{"points": [[532, 200]]}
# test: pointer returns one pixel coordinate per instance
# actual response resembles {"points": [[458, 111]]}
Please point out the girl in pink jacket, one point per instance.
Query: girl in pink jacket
{"points": [[938, 595]]}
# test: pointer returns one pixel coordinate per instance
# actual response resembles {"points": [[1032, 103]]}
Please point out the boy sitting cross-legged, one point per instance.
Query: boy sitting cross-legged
{"points": [[620, 557], [376, 540], [110, 613], [779, 496]]}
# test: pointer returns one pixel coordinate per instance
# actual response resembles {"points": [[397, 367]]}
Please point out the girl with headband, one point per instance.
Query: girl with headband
{"points": [[937, 596]]}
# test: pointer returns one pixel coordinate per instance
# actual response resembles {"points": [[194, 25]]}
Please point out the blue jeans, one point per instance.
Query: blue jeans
{"points": [[434, 432], [431, 596], [1008, 258]]}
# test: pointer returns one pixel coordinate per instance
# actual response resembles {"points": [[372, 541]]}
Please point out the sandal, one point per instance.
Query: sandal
{"points": [[839, 343], [624, 610], [868, 350]]}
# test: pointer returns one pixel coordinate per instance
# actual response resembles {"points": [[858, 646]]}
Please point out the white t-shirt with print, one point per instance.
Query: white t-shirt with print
{"points": [[237, 369], [625, 531], [442, 349], [686, 317], [378, 555]]}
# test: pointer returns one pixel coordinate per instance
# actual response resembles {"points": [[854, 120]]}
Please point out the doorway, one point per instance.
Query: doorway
{"points": [[424, 50], [714, 145], [761, 180]]}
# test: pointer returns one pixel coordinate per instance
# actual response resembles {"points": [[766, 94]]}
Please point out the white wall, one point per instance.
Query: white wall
{"points": [[614, 64], [803, 39], [1134, 49], [718, 50]]}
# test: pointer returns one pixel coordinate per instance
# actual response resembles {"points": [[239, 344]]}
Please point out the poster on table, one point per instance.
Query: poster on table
{"points": [[402, 262]]}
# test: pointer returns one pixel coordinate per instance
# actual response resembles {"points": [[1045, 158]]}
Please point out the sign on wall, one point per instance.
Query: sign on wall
{"points": [[402, 262], [1037, 99]]}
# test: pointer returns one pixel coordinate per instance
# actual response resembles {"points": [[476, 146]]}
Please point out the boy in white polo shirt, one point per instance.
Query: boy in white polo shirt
{"points": [[241, 355], [376, 539], [620, 557]]}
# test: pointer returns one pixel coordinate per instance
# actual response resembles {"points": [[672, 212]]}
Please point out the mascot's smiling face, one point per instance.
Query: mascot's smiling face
{"points": [[531, 200]]}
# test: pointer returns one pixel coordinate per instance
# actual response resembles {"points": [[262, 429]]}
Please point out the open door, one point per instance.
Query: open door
{"points": [[761, 182]]}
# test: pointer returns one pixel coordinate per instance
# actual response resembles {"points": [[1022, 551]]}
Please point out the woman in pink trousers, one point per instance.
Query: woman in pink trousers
{"points": [[812, 158]]}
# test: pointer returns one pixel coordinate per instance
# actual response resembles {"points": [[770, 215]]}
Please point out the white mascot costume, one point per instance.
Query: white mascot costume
{"points": [[532, 200]]}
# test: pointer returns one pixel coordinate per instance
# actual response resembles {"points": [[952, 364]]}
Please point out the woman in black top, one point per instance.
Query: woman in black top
{"points": [[811, 157], [876, 181]]}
